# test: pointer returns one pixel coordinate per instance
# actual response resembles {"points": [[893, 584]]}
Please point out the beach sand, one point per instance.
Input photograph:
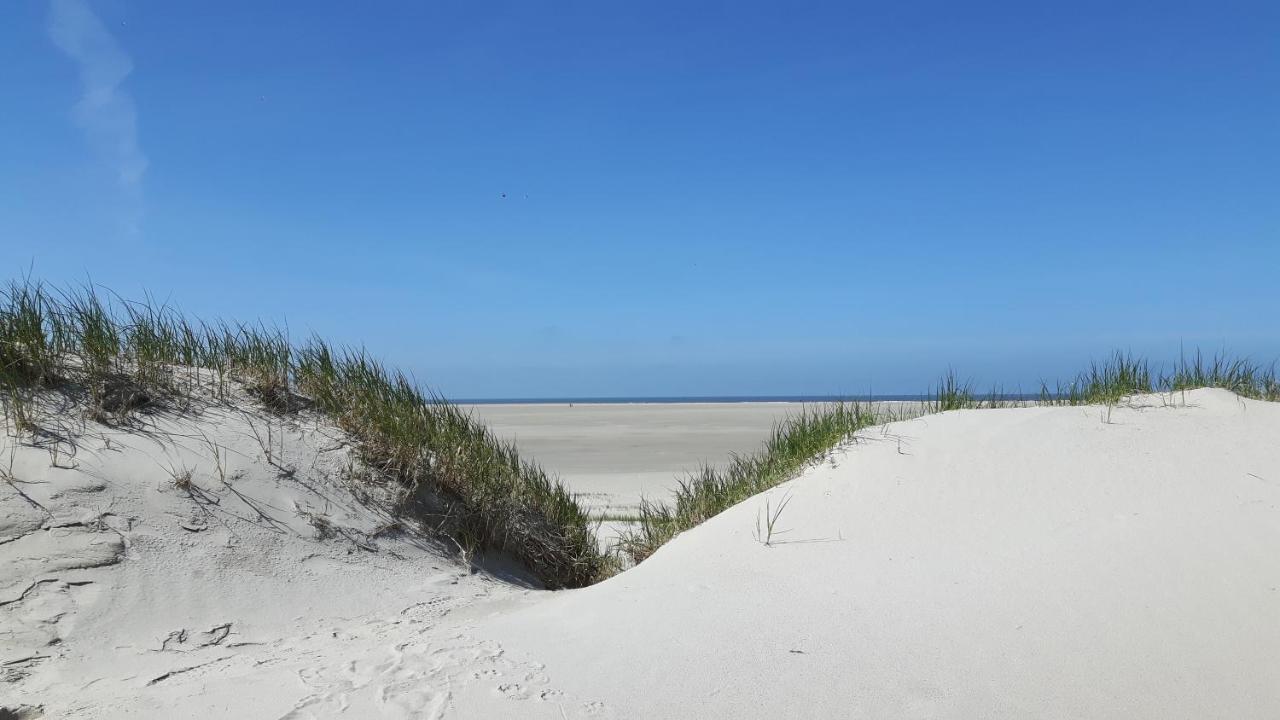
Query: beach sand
{"points": [[1037, 562], [1048, 562], [613, 454]]}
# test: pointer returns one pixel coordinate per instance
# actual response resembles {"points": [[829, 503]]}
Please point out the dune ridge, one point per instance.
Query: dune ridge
{"points": [[1054, 561], [207, 521]]}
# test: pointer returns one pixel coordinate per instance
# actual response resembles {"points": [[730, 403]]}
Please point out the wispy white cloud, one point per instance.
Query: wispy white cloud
{"points": [[105, 111]]}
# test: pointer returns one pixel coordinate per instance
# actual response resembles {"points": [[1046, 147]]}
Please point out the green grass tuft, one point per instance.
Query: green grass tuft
{"points": [[1123, 375], [951, 394], [492, 498], [458, 477], [799, 441], [794, 444]]}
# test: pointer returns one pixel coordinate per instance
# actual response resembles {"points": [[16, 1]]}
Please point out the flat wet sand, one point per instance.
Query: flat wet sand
{"points": [[612, 455]]}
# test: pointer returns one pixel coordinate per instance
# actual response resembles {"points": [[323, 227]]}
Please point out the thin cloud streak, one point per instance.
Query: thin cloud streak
{"points": [[105, 111]]}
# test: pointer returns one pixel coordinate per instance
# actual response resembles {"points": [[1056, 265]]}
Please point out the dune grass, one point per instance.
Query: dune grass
{"points": [[1119, 376], [121, 358], [794, 443], [496, 499], [799, 441], [1123, 374], [952, 393]]}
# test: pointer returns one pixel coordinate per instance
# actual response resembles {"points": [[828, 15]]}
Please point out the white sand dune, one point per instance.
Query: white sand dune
{"points": [[124, 595], [1038, 562]]}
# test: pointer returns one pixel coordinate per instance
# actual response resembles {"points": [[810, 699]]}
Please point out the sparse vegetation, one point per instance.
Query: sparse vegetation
{"points": [[805, 439], [767, 520], [473, 486], [320, 523], [123, 358], [1123, 375], [951, 394], [794, 444], [181, 477]]}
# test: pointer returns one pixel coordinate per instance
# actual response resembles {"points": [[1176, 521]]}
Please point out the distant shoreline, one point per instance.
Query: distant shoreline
{"points": [[722, 399]]}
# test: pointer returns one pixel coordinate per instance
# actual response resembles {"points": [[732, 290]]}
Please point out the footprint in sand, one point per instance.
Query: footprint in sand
{"points": [[420, 677]]}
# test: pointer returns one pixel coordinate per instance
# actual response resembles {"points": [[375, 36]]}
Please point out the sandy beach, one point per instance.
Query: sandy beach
{"points": [[484, 361], [1038, 562], [1057, 562], [613, 454]]}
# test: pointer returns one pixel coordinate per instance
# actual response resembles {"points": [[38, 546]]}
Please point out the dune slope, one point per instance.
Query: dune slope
{"points": [[1036, 562], [201, 563], [1056, 562]]}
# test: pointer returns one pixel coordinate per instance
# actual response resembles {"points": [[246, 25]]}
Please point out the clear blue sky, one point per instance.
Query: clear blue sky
{"points": [[700, 198]]}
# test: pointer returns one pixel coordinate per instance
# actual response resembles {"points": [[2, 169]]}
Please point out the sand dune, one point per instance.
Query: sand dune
{"points": [[1058, 562], [126, 594], [1035, 562]]}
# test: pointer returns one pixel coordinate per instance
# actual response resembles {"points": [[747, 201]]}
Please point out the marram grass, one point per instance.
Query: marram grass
{"points": [[799, 441], [794, 443], [120, 357], [1123, 375]]}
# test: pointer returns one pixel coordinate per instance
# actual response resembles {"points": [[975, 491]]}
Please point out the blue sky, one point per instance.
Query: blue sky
{"points": [[700, 198]]}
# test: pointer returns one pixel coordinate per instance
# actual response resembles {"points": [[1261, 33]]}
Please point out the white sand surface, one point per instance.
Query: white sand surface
{"points": [[124, 595], [1037, 562]]}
